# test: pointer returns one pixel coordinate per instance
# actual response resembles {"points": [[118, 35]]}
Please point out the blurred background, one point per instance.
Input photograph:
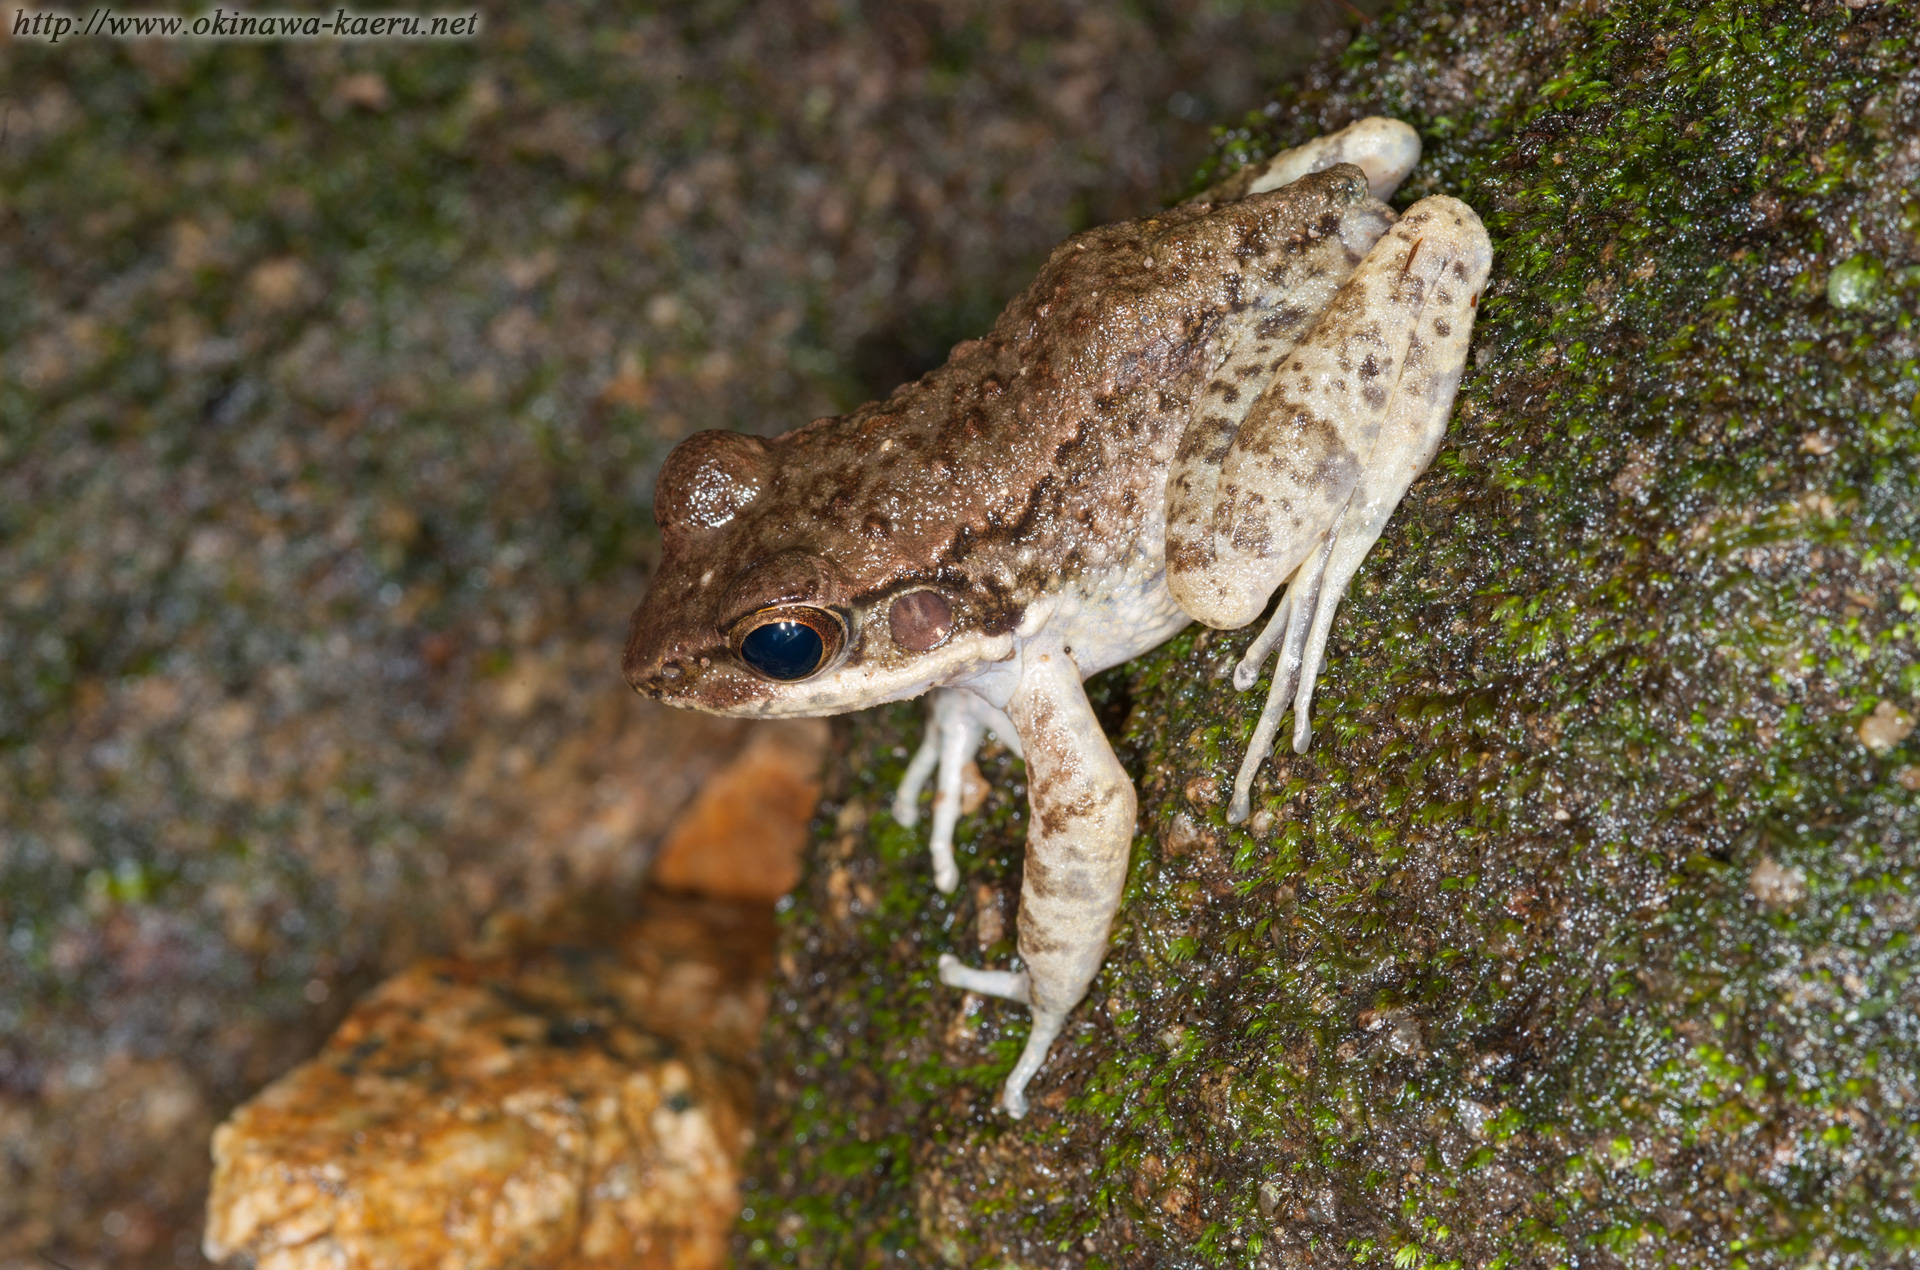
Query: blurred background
{"points": [[333, 382]]}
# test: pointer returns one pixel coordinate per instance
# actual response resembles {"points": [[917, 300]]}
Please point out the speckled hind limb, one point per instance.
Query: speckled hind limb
{"points": [[1390, 350], [1079, 834]]}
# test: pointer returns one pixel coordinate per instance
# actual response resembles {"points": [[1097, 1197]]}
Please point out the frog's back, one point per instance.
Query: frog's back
{"points": [[1034, 462]]}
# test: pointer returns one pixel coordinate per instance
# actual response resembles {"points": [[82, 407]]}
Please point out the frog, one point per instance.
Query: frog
{"points": [[1184, 415]]}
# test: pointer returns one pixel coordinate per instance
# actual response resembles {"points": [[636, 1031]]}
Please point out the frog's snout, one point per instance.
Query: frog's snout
{"points": [[655, 682], [652, 663]]}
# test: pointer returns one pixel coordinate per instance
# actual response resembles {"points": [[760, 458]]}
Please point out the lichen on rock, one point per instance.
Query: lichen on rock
{"points": [[1584, 935]]}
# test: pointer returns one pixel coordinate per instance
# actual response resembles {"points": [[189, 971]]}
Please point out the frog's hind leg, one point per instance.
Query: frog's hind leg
{"points": [[957, 723], [1434, 264]]}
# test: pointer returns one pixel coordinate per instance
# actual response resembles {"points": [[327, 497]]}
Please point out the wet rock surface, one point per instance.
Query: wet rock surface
{"points": [[582, 1104], [1584, 935], [741, 836], [579, 1097], [333, 378]]}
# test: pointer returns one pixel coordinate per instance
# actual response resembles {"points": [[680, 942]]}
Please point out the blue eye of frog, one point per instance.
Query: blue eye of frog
{"points": [[790, 646]]}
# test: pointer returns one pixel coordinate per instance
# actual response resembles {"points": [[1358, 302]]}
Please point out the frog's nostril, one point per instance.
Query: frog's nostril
{"points": [[670, 672]]}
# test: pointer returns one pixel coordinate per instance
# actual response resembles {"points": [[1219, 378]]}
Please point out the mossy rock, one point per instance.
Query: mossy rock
{"points": [[1584, 934]]}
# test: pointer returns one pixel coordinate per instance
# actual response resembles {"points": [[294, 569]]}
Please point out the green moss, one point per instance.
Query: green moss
{"points": [[1855, 284], [1583, 935]]}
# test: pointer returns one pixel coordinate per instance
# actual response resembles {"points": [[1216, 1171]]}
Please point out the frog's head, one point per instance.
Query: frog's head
{"points": [[762, 605]]}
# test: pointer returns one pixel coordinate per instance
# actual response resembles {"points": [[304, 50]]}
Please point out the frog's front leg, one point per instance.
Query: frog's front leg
{"points": [[1079, 833], [957, 722], [1301, 490]]}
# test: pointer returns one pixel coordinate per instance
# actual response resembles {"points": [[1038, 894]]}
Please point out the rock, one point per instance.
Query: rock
{"points": [[1583, 935], [740, 838], [1885, 728], [581, 1106]]}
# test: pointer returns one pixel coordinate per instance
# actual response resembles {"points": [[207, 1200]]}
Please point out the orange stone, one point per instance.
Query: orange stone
{"points": [[741, 836], [579, 1107]]}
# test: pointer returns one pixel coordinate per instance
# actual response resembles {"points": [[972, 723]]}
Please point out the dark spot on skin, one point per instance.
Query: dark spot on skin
{"points": [[1057, 818], [1064, 452], [1034, 943], [1203, 436], [1442, 327], [876, 526], [958, 548], [1229, 393], [1042, 492], [1375, 396], [999, 613], [1187, 556]]}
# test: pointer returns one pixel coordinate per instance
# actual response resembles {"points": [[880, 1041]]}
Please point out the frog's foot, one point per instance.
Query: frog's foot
{"points": [[1046, 1027], [956, 725], [1290, 627], [1012, 986]]}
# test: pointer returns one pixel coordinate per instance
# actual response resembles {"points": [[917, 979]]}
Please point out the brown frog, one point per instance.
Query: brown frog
{"points": [[1181, 414]]}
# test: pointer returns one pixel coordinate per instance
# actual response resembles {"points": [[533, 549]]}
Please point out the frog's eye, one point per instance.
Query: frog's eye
{"points": [[787, 644]]}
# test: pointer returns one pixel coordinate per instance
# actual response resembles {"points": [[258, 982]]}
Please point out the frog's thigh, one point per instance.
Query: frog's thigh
{"points": [[1258, 342], [1295, 462], [1278, 486]]}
